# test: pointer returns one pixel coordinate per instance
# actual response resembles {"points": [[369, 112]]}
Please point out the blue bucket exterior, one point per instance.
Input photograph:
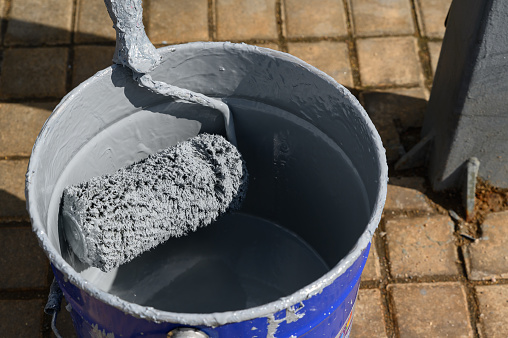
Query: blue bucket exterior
{"points": [[326, 314]]}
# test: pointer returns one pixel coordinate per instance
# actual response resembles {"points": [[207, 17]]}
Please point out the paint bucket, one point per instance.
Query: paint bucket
{"points": [[295, 251]]}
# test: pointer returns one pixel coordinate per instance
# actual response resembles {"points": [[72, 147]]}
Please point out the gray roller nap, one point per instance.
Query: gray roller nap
{"points": [[111, 219]]}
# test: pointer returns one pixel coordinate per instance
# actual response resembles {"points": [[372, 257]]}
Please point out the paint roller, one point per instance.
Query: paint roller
{"points": [[111, 219]]}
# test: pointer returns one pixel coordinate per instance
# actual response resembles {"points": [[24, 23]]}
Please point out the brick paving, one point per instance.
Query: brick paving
{"points": [[369, 315], [12, 188], [431, 14], [382, 17], [493, 310], [21, 124], [422, 278], [407, 194], [188, 21], [434, 50], [246, 20], [26, 265], [487, 257], [318, 54], [389, 61], [88, 60], [431, 310], [372, 269], [421, 246], [92, 23], [316, 18], [34, 72], [35, 22], [21, 318]]}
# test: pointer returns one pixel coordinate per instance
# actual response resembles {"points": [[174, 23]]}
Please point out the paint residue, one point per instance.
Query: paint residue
{"points": [[134, 50], [293, 314], [273, 325], [97, 333]]}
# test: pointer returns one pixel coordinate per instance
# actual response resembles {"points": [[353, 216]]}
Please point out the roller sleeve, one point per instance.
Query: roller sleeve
{"points": [[111, 219]]}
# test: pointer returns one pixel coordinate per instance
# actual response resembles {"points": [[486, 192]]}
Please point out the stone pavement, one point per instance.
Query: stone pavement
{"points": [[423, 278]]}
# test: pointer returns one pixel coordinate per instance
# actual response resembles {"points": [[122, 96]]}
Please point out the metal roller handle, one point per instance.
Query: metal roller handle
{"points": [[134, 50]]}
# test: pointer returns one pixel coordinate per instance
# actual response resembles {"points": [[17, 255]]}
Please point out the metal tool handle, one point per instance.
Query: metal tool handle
{"points": [[134, 50]]}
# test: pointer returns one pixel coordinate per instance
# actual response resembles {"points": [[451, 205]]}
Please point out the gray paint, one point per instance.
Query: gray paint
{"points": [[241, 247], [133, 48], [236, 263], [292, 121], [162, 88], [135, 51], [467, 111], [111, 219]]}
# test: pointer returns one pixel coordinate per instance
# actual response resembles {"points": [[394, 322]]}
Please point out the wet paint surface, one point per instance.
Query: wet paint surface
{"points": [[234, 264]]}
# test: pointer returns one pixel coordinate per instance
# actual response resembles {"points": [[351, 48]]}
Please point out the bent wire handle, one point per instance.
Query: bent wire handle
{"points": [[53, 305], [134, 50]]}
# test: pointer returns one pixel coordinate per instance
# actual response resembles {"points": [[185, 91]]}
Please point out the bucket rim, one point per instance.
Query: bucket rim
{"points": [[228, 317]]}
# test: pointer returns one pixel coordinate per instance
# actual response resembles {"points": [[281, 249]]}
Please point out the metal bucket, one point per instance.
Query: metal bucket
{"points": [[318, 180]]}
